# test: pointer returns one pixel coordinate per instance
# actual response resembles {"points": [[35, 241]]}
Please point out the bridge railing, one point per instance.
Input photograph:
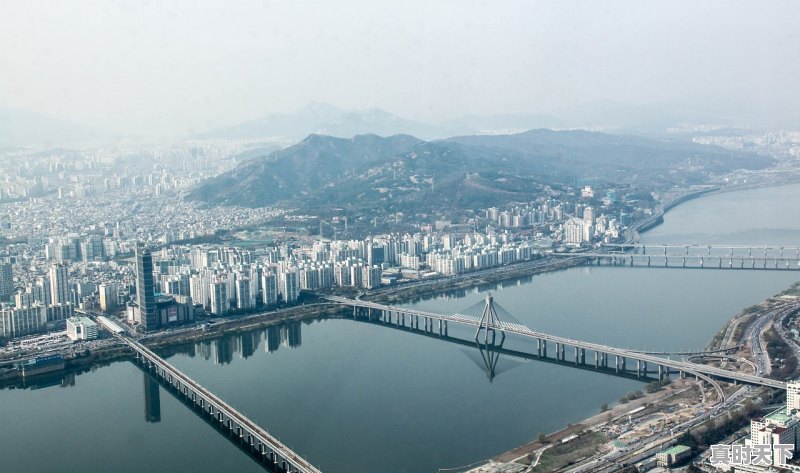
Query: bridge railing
{"points": [[527, 332], [275, 444]]}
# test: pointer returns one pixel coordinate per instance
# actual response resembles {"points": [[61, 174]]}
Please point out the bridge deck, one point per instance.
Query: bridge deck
{"points": [[524, 331], [296, 462]]}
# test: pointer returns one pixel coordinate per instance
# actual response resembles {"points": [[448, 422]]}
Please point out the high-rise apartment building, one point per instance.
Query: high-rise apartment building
{"points": [[269, 289], [59, 284], [6, 281], [218, 290]]}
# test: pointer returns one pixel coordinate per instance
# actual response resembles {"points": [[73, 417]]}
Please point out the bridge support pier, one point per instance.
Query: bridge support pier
{"points": [[558, 351]]}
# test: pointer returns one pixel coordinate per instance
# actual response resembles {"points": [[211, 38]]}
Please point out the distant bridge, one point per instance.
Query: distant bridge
{"points": [[438, 323], [250, 436], [763, 257]]}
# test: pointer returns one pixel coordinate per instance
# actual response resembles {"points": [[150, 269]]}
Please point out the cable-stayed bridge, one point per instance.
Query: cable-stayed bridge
{"points": [[490, 327]]}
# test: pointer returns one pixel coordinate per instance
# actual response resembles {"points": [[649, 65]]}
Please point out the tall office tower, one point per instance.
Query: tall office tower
{"points": [[145, 289], [59, 284], [108, 297], [6, 281]]}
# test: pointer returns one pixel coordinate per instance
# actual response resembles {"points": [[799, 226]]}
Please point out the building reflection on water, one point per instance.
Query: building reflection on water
{"points": [[225, 349], [152, 399], [63, 379]]}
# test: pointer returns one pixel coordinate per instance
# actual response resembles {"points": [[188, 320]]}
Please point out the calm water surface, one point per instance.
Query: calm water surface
{"points": [[354, 397]]}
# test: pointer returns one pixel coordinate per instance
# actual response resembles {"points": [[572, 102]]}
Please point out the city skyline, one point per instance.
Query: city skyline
{"points": [[309, 236]]}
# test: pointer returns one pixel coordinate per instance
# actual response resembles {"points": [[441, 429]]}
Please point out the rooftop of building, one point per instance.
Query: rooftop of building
{"points": [[676, 450], [81, 320], [779, 416]]}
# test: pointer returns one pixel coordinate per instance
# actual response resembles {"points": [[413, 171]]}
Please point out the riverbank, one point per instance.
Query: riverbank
{"points": [[486, 280], [650, 402], [303, 313], [90, 359], [682, 397]]}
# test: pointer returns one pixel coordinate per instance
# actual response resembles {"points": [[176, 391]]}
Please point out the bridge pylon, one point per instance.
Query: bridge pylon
{"points": [[489, 322]]}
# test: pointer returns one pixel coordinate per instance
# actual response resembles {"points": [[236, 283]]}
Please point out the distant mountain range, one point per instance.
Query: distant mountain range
{"points": [[324, 119], [402, 172], [23, 128]]}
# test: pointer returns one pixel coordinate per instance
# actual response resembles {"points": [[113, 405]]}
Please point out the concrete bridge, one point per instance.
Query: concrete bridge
{"points": [[694, 256], [490, 351], [606, 357], [250, 436], [686, 249]]}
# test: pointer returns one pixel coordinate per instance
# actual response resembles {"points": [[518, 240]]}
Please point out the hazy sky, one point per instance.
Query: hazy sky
{"points": [[159, 67]]}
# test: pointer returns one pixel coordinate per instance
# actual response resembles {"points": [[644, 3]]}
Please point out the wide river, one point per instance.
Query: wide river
{"points": [[360, 398]]}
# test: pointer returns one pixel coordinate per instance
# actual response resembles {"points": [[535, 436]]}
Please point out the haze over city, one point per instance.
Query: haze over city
{"points": [[172, 69], [406, 237]]}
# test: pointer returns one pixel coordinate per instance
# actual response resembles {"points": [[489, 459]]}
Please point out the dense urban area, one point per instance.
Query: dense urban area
{"points": [[100, 240]]}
